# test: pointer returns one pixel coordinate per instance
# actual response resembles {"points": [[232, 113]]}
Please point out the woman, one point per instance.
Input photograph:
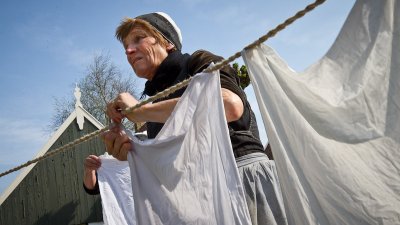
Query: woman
{"points": [[153, 43]]}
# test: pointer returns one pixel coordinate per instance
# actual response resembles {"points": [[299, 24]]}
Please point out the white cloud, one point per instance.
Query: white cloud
{"points": [[20, 139]]}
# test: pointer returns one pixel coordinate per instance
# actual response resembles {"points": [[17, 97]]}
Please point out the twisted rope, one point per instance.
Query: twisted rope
{"points": [[159, 95], [57, 150], [265, 37], [178, 86], [225, 62]]}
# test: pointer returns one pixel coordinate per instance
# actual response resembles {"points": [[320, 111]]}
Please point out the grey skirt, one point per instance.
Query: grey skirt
{"points": [[262, 189]]}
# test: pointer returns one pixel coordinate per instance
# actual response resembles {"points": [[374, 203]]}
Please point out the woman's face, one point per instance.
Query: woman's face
{"points": [[144, 53]]}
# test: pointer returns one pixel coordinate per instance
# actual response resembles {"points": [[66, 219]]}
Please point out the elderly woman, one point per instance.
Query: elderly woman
{"points": [[152, 44]]}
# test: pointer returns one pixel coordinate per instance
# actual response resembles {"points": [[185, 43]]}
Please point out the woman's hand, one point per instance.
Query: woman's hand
{"points": [[91, 164], [121, 102], [117, 142]]}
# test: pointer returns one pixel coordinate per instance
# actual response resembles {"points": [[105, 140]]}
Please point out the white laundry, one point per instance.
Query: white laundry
{"points": [[187, 174], [116, 191], [335, 128]]}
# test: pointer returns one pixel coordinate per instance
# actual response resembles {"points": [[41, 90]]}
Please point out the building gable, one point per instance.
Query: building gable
{"points": [[50, 191]]}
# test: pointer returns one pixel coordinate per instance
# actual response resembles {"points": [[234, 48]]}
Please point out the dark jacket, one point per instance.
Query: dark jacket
{"points": [[178, 67]]}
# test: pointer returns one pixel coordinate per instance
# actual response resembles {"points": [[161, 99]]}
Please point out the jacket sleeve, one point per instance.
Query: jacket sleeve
{"points": [[95, 190]]}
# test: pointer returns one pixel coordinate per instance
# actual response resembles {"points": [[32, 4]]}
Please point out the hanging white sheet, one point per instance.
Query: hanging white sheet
{"points": [[335, 128], [188, 174], [116, 191]]}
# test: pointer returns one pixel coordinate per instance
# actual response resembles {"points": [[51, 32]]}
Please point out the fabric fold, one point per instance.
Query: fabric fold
{"points": [[334, 129], [116, 191], [187, 173]]}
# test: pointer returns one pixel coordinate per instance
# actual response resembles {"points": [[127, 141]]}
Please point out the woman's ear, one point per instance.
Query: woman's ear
{"points": [[170, 47]]}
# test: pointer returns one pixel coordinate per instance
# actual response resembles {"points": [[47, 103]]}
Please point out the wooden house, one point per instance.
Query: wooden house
{"points": [[50, 191]]}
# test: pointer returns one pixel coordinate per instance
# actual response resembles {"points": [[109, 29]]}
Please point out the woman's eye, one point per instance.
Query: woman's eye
{"points": [[138, 39]]}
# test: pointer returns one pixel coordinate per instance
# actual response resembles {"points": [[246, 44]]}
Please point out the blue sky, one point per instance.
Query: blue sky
{"points": [[46, 46]]}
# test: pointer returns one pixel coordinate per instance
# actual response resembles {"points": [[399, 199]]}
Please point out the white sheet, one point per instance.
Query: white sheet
{"points": [[335, 128], [116, 191], [187, 174]]}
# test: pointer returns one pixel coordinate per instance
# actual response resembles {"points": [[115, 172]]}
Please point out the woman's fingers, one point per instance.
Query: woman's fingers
{"points": [[92, 162], [117, 143]]}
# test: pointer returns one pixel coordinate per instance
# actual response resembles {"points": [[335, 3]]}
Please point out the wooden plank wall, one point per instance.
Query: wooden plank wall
{"points": [[52, 192]]}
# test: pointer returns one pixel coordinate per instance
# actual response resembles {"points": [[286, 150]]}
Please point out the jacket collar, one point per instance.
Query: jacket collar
{"points": [[166, 73]]}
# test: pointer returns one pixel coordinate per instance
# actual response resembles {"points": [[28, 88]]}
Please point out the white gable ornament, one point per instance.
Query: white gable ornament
{"points": [[78, 105]]}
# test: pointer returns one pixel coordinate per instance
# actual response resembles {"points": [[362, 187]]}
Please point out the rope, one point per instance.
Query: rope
{"points": [[57, 150], [159, 95], [172, 89], [265, 37], [225, 62]]}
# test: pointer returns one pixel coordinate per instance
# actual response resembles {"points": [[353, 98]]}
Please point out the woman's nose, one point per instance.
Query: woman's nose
{"points": [[130, 49]]}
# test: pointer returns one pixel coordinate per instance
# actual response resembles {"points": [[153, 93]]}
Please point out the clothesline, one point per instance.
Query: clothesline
{"points": [[172, 89]]}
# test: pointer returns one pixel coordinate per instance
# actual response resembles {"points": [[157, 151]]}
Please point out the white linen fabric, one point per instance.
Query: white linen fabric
{"points": [[187, 174], [116, 191], [335, 128]]}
